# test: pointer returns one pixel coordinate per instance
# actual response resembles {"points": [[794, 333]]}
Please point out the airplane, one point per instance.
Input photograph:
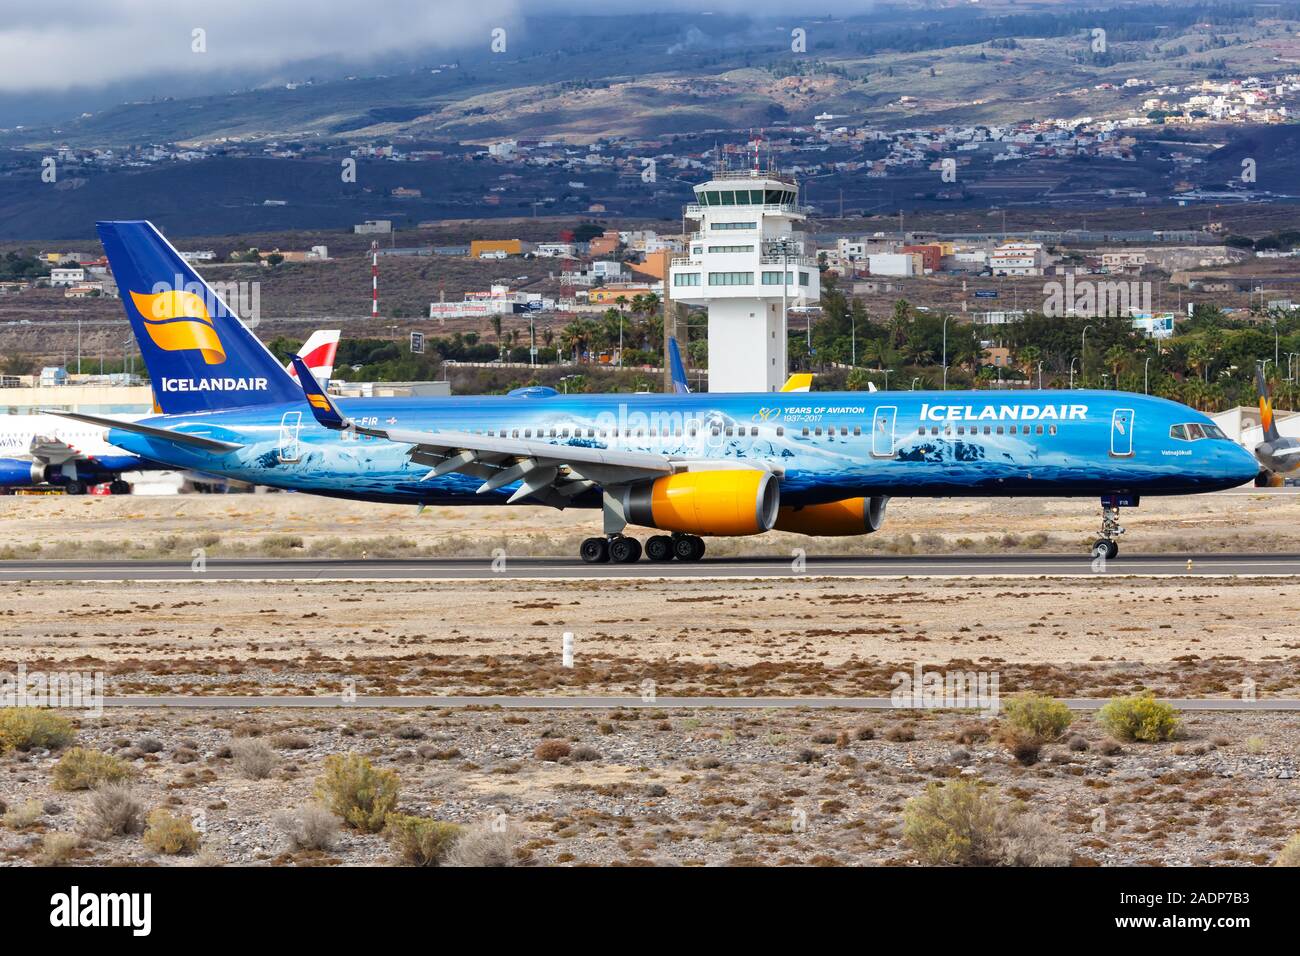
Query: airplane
{"points": [[797, 382], [1276, 453], [49, 450], [692, 465]]}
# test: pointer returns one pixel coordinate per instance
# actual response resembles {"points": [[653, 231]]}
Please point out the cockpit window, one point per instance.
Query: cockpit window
{"points": [[1194, 431]]}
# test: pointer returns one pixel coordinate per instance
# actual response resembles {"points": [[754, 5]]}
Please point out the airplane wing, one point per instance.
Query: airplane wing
{"points": [[51, 450], [552, 474]]}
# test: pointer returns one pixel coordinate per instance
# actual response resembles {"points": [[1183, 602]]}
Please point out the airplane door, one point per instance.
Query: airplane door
{"points": [[289, 426], [882, 431], [1121, 432]]}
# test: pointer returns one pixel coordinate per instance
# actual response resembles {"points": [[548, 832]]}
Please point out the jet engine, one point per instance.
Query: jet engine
{"points": [[844, 517], [723, 502], [19, 472]]}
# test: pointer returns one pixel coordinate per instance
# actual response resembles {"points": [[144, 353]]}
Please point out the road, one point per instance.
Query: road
{"points": [[606, 703], [956, 566]]}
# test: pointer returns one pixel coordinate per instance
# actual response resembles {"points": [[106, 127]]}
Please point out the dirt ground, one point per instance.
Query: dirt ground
{"points": [[791, 637], [293, 524], [658, 786], [670, 788]]}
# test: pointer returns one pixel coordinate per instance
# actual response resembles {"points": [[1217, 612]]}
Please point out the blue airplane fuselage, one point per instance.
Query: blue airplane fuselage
{"points": [[824, 446]]}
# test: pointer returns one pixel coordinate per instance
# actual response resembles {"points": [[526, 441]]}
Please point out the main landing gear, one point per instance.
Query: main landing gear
{"points": [[1106, 546], [620, 549]]}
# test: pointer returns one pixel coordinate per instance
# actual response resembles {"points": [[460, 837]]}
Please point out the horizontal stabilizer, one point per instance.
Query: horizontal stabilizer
{"points": [[151, 431]]}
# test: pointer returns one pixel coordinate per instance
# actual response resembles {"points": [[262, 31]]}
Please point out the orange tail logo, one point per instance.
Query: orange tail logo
{"points": [[1265, 412], [178, 322]]}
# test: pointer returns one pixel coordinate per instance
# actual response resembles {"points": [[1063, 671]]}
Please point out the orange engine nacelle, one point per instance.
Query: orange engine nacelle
{"points": [[726, 502], [848, 516]]}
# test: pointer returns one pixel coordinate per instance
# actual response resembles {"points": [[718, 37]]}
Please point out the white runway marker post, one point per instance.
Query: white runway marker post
{"points": [[566, 650]]}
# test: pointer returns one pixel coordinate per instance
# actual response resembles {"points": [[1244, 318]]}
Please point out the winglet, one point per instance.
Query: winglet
{"points": [[678, 370], [798, 382], [322, 408], [1265, 406]]}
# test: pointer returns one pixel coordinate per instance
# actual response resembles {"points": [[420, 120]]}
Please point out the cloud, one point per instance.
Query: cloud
{"points": [[80, 43]]}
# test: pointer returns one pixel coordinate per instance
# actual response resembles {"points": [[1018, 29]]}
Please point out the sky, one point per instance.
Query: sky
{"points": [[95, 43]]}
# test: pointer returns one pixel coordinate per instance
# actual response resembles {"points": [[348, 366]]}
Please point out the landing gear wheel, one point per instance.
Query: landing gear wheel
{"points": [[594, 551], [659, 547], [74, 488], [688, 547], [119, 487], [1106, 546], [624, 550]]}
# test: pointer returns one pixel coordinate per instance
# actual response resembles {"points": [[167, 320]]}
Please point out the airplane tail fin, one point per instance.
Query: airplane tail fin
{"points": [[318, 354], [678, 370], [200, 356], [1266, 420]]}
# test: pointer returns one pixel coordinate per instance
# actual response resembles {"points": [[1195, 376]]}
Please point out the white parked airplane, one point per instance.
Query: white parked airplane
{"points": [[47, 449]]}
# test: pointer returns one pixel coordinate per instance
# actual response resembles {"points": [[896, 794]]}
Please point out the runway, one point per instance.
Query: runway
{"points": [[436, 569], [612, 703]]}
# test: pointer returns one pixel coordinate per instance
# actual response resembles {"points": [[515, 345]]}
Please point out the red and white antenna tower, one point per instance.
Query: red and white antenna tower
{"points": [[374, 278]]}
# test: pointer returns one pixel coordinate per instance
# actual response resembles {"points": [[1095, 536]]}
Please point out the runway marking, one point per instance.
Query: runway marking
{"points": [[611, 703], [722, 569]]}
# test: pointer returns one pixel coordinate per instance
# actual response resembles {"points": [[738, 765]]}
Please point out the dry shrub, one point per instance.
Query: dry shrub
{"points": [[1140, 717], [959, 823], [1037, 715], [170, 835], [290, 742], [24, 815], [57, 849], [113, 810], [253, 758], [551, 750], [355, 791], [420, 841], [482, 846], [901, 733], [83, 769], [312, 827], [1290, 854], [24, 728]]}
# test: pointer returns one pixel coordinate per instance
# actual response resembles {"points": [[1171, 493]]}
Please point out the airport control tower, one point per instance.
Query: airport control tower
{"points": [[745, 241]]}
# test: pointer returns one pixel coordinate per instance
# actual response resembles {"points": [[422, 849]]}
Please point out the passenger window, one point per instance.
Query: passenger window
{"points": [[753, 431], [1051, 429], [817, 430], [857, 430], [999, 429], [780, 431], [988, 430], [805, 431], [514, 433], [919, 431], [728, 431], [717, 430], [934, 429], [1038, 429]]}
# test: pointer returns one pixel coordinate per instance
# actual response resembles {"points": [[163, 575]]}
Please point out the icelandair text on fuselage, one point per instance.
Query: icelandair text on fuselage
{"points": [[1002, 413], [214, 385]]}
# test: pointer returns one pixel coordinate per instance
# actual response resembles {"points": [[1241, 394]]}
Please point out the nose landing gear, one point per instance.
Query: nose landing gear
{"points": [[1106, 546]]}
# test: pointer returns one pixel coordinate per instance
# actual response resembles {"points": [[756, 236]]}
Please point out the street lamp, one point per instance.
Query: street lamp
{"points": [[1072, 361], [1083, 358], [1040, 376], [915, 379], [945, 353], [1146, 376]]}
